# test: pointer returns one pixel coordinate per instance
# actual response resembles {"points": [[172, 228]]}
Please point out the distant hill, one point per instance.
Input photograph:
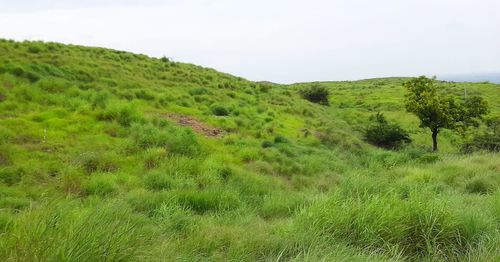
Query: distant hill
{"points": [[490, 77]]}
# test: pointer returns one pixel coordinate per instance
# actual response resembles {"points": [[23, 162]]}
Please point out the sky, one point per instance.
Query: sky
{"points": [[277, 40]]}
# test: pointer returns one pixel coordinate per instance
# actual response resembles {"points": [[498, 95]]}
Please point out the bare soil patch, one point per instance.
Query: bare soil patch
{"points": [[196, 125]]}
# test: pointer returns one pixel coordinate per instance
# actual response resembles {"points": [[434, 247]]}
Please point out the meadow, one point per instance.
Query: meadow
{"points": [[112, 156]]}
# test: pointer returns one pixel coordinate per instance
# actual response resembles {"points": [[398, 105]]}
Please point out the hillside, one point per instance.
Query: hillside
{"points": [[113, 156]]}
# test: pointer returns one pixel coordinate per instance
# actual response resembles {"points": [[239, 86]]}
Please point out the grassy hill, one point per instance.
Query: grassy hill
{"points": [[113, 156]]}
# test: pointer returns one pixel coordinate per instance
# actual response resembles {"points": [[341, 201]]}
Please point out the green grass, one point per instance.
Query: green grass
{"points": [[93, 169]]}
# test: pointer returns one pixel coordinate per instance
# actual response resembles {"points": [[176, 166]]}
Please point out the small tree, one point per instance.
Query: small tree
{"points": [[437, 109]]}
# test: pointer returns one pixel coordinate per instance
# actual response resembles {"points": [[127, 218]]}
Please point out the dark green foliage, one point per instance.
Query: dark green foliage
{"points": [[488, 140], [266, 144], [384, 134], [437, 109], [145, 94], [280, 139], [316, 94], [479, 186], [198, 91], [206, 201], [11, 176], [219, 110]]}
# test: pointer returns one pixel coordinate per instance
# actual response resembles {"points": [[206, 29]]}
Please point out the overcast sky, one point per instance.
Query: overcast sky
{"points": [[278, 40]]}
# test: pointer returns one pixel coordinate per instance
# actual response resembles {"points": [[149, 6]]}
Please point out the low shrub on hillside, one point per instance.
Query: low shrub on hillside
{"points": [[384, 134], [316, 94], [219, 110]]}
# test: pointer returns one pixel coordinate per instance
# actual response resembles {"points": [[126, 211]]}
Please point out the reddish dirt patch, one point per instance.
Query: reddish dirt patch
{"points": [[196, 125]]}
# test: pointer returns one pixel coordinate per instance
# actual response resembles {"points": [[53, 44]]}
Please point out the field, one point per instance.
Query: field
{"points": [[113, 156]]}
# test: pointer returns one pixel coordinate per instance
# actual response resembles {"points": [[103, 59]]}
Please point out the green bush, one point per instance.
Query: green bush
{"points": [[267, 144], [198, 91], [383, 134], [316, 94], [280, 139], [488, 140], [219, 110]]}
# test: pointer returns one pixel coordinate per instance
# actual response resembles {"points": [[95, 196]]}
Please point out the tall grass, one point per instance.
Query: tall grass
{"points": [[68, 231]]}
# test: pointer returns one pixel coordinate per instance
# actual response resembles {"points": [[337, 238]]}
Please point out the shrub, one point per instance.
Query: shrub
{"points": [[280, 139], [219, 110], [267, 144], [488, 140], [316, 94], [383, 134]]}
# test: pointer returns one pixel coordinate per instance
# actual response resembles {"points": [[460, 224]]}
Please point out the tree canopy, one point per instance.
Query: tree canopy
{"points": [[439, 109]]}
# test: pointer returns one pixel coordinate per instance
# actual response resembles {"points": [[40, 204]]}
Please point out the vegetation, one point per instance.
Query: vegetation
{"points": [[437, 109], [316, 94], [112, 156], [488, 139], [386, 135]]}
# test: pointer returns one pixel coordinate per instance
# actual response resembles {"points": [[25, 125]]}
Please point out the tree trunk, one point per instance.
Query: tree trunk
{"points": [[434, 139]]}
